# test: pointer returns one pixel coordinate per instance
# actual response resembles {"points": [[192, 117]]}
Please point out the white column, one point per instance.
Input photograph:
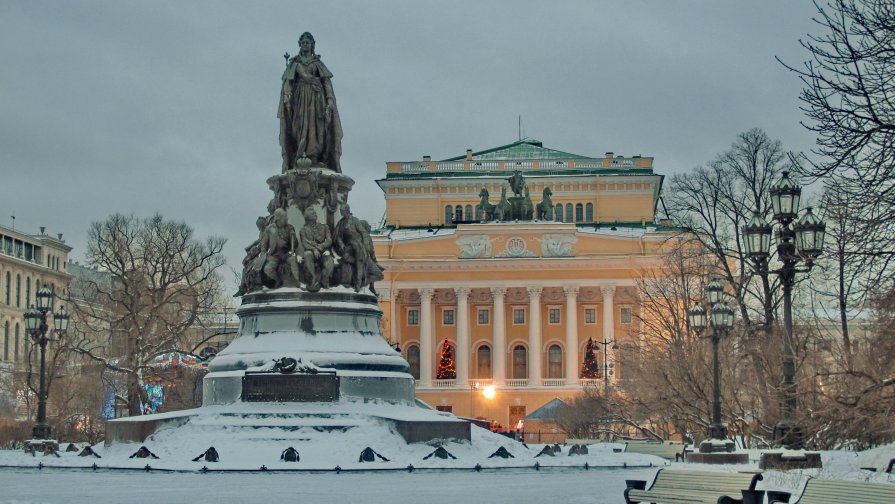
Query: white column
{"points": [[571, 335], [534, 336], [462, 336], [609, 322], [426, 350], [499, 336]]}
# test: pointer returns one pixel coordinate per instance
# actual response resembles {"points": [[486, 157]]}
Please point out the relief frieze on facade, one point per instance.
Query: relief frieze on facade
{"points": [[474, 247], [516, 247], [557, 245]]}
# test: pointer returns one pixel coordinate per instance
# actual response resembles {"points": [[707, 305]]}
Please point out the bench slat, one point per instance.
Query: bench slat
{"points": [[819, 491]]}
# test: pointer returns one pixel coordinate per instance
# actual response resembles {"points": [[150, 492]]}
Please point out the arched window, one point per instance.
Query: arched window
{"points": [[520, 362], [579, 212], [15, 348], [468, 212], [589, 212], [483, 362], [448, 214], [569, 216], [36, 285], [558, 212], [27, 291], [6, 340], [8, 286], [479, 213], [18, 291], [458, 213], [413, 358], [554, 362]]}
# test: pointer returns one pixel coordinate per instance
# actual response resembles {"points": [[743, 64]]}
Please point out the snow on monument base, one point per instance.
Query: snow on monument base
{"points": [[304, 360]]}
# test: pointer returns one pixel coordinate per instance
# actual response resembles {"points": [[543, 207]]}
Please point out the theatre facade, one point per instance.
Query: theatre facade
{"points": [[515, 285]]}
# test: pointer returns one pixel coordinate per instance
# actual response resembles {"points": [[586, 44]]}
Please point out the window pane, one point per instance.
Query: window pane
{"points": [[468, 211], [413, 317], [554, 362], [484, 317], [590, 316], [520, 363], [518, 316], [448, 317], [554, 315], [589, 212], [448, 214], [458, 213], [483, 362], [626, 314], [579, 212], [558, 212], [413, 358], [569, 213]]}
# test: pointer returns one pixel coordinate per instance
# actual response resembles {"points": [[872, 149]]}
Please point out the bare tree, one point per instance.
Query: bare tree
{"points": [[162, 281], [849, 100]]}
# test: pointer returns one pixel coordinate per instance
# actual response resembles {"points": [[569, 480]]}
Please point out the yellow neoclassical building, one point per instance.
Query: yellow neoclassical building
{"points": [[516, 296], [27, 263]]}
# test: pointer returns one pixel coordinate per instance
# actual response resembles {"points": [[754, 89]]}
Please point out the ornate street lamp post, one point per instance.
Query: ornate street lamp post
{"points": [[797, 241], [37, 327], [606, 343], [720, 317]]}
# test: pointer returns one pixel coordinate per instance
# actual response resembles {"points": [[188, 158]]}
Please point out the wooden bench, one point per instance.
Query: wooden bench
{"points": [[820, 491], [670, 450], [699, 487]]}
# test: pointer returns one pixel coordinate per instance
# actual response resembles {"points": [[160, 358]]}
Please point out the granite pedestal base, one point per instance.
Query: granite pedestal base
{"points": [[786, 460], [718, 458]]}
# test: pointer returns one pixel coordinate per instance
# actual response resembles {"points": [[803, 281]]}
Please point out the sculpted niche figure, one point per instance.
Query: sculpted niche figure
{"points": [[349, 244], [281, 247], [310, 129], [316, 240]]}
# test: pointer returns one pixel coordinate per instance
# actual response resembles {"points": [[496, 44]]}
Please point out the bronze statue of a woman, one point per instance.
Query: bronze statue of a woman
{"points": [[310, 130]]}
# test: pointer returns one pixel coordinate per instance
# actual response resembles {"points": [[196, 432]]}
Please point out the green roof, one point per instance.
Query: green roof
{"points": [[547, 411], [527, 148]]}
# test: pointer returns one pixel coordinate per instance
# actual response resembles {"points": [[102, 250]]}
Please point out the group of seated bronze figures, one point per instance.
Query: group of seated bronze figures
{"points": [[315, 257]]}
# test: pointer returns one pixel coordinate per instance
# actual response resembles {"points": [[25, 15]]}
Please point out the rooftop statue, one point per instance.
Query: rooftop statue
{"points": [[310, 129]]}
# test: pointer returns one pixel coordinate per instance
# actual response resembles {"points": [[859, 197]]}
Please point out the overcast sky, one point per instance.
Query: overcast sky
{"points": [[171, 106]]}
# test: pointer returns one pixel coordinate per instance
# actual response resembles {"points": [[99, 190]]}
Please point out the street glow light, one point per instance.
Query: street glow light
{"points": [[489, 392]]}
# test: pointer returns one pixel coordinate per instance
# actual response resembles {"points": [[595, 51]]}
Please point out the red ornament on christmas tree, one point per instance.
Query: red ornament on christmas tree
{"points": [[447, 366], [590, 368]]}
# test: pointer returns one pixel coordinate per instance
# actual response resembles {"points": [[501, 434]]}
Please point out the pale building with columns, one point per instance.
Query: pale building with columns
{"points": [[517, 301], [27, 263]]}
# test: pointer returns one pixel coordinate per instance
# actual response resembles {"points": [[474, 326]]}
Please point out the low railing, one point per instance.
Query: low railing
{"points": [[444, 383], [554, 382], [591, 382], [517, 383], [480, 383]]}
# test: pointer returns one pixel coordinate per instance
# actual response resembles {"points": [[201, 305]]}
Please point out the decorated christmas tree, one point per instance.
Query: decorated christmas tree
{"points": [[447, 366], [590, 368]]}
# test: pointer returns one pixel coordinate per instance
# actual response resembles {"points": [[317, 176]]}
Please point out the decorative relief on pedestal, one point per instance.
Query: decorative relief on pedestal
{"points": [[474, 247], [516, 247], [557, 245]]}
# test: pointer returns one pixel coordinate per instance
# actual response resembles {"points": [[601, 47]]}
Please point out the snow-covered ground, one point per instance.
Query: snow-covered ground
{"points": [[569, 484]]}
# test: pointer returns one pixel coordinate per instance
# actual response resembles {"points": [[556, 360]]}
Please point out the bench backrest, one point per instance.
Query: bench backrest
{"points": [[819, 491], [712, 482]]}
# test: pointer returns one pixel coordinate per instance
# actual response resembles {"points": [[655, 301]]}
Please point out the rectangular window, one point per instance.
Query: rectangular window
{"points": [[484, 316], [447, 409], [413, 317], [590, 315], [625, 314], [447, 317], [554, 315], [518, 316]]}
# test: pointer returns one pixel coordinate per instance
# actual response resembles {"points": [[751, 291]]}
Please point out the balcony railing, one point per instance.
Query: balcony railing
{"points": [[444, 383], [591, 382], [554, 382], [480, 383], [517, 383]]}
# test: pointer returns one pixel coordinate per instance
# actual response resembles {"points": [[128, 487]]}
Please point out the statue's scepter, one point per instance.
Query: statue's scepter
{"points": [[286, 57]]}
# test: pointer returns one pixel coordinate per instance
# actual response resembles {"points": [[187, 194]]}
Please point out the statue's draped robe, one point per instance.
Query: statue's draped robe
{"points": [[305, 130]]}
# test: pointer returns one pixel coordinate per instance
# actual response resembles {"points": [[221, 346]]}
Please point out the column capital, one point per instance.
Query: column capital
{"points": [[426, 293], [607, 290], [535, 292], [571, 291], [498, 291], [462, 292]]}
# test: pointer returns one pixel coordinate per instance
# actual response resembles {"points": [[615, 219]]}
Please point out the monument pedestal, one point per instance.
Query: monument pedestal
{"points": [[793, 459]]}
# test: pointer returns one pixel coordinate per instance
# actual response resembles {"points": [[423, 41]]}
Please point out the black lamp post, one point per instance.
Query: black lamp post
{"points": [[721, 320], [36, 325], [606, 344], [797, 241]]}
